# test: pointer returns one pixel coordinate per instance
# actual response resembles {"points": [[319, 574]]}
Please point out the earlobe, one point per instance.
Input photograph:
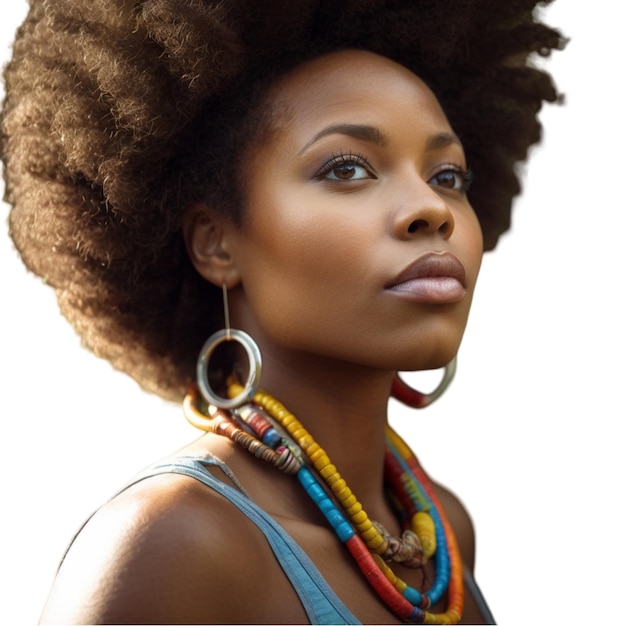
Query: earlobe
{"points": [[206, 234]]}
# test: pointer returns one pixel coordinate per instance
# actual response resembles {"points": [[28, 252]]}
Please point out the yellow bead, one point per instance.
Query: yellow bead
{"points": [[367, 531], [315, 452], [369, 535], [344, 496], [322, 461], [376, 544], [333, 480], [423, 526], [302, 437], [387, 571], [354, 509], [328, 470], [338, 485], [360, 517], [347, 498]]}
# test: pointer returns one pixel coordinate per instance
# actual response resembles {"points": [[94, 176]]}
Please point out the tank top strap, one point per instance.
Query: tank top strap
{"points": [[472, 587], [320, 602]]}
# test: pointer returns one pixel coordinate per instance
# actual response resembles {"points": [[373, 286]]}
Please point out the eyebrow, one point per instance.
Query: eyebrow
{"points": [[374, 135], [358, 131], [441, 141]]}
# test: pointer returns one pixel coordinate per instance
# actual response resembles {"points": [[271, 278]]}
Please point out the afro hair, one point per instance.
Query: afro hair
{"points": [[119, 115]]}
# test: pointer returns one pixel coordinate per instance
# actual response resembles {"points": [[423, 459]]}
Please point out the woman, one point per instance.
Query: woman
{"points": [[296, 167]]}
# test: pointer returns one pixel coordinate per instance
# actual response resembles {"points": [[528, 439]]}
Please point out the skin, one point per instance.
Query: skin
{"points": [[326, 233]]}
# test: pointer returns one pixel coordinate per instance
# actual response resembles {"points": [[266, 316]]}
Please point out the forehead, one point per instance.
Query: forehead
{"points": [[355, 84]]}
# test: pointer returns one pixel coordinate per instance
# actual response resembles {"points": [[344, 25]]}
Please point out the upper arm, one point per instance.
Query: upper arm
{"points": [[156, 554]]}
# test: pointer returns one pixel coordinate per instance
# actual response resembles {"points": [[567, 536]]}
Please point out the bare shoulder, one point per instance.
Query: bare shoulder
{"points": [[461, 522], [157, 553]]}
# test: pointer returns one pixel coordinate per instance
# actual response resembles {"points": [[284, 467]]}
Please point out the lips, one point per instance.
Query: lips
{"points": [[437, 278]]}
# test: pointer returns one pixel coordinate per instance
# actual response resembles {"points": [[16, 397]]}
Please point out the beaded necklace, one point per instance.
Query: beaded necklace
{"points": [[266, 429]]}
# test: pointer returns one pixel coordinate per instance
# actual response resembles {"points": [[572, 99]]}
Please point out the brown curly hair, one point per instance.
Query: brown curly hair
{"points": [[119, 115]]}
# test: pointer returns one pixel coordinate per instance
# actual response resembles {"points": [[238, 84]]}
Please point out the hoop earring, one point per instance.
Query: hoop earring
{"points": [[401, 391], [254, 361]]}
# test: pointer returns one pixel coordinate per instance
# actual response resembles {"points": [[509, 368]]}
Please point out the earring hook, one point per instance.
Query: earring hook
{"points": [[226, 311], [254, 360]]}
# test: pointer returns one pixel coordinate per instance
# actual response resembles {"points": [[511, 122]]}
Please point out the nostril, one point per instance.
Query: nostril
{"points": [[416, 225], [425, 225]]}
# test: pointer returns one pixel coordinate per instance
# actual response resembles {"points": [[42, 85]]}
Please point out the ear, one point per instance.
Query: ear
{"points": [[209, 245]]}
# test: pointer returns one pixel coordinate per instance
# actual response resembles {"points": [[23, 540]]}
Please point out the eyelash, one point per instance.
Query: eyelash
{"points": [[466, 173], [358, 160], [338, 160], [468, 178]]}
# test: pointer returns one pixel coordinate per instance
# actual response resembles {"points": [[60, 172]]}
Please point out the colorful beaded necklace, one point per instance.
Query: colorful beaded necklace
{"points": [[266, 429]]}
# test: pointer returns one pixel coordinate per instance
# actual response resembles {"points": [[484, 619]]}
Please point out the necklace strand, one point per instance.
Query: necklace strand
{"points": [[273, 434]]}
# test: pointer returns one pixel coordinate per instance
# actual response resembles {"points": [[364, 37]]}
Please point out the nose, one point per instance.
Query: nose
{"points": [[420, 210]]}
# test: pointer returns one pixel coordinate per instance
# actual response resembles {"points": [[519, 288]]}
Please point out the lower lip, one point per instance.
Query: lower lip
{"points": [[431, 290]]}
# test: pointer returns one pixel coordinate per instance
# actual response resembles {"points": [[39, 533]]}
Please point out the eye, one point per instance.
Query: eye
{"points": [[453, 177], [345, 167]]}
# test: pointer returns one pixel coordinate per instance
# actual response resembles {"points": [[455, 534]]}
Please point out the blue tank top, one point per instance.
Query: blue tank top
{"points": [[320, 602]]}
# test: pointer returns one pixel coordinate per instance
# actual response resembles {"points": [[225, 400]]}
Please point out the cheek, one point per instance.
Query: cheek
{"points": [[309, 236], [469, 228], [302, 260]]}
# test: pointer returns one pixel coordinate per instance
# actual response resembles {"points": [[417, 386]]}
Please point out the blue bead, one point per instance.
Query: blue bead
{"points": [[272, 438], [305, 477], [319, 496], [413, 596], [327, 507], [345, 531], [332, 513], [334, 517]]}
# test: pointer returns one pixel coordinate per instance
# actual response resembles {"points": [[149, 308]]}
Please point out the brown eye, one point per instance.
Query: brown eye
{"points": [[448, 179], [345, 167], [344, 172], [455, 178]]}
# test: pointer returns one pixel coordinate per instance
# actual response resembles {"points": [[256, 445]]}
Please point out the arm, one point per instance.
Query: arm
{"points": [[162, 552]]}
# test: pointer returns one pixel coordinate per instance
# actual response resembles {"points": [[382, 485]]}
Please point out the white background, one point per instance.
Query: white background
{"points": [[529, 434]]}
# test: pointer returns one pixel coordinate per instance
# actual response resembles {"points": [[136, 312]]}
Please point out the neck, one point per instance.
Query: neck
{"points": [[344, 408]]}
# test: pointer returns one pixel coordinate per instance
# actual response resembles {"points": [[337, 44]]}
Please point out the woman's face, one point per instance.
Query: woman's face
{"points": [[359, 242]]}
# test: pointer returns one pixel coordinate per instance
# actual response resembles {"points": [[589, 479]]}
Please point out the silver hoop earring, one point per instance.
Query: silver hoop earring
{"points": [[254, 363], [401, 390]]}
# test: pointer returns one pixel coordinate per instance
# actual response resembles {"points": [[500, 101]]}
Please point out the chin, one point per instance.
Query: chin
{"points": [[428, 357]]}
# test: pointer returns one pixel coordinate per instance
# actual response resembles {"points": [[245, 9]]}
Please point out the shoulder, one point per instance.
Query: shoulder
{"points": [[461, 522], [159, 552]]}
